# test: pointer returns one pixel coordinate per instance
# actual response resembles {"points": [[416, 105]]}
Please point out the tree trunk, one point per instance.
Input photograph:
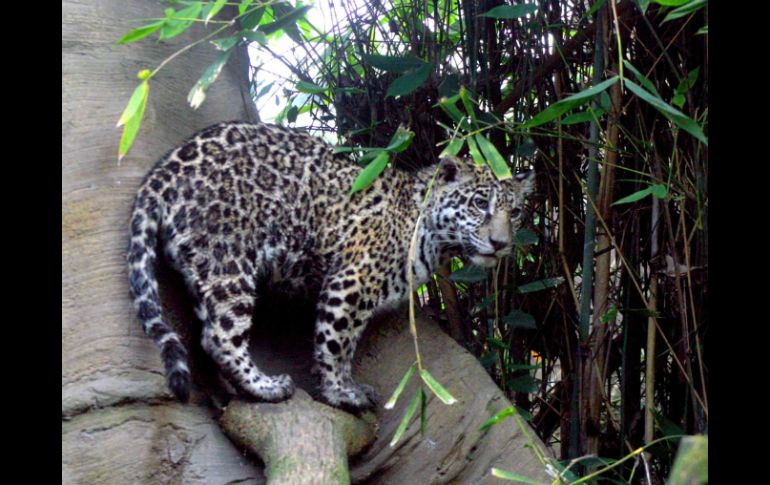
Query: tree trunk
{"points": [[119, 421]]}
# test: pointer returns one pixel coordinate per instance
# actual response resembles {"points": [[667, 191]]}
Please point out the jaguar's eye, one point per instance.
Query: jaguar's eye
{"points": [[515, 213], [481, 203]]}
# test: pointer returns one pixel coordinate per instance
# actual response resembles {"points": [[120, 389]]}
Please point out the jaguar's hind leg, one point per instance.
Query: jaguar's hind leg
{"points": [[228, 305]]}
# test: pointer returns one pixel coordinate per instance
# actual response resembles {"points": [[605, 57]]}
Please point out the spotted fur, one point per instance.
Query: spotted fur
{"points": [[238, 202]]}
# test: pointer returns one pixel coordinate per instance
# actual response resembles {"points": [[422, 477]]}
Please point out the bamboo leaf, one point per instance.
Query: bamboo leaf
{"points": [[306, 87], [478, 158], [140, 32], [251, 19], [285, 20], [524, 237], [496, 472], [520, 319], [523, 384], [178, 22], [510, 11], [543, 284], [395, 64], [369, 174], [562, 106], [255, 36], [407, 418], [138, 98], [496, 418], [494, 159], [198, 92], [410, 81], [453, 148], [211, 10], [677, 117], [641, 78], [400, 140], [685, 10], [134, 121], [671, 3], [437, 388], [469, 274], [401, 386]]}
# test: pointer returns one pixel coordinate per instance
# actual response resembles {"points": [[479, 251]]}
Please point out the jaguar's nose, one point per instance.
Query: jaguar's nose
{"points": [[498, 245]]}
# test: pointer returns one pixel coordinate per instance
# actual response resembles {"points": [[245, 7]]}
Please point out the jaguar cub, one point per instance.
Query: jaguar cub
{"points": [[240, 202]]}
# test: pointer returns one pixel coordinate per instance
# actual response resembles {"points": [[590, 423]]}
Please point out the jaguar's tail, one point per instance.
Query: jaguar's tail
{"points": [[144, 293]]}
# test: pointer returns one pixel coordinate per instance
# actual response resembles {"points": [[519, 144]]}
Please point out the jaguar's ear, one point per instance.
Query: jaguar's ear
{"points": [[526, 181], [452, 169]]}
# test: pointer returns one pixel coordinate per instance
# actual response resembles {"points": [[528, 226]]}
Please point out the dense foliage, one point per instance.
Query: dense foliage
{"points": [[608, 102]]}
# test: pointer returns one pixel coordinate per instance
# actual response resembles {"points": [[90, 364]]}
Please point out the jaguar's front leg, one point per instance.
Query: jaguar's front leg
{"points": [[344, 308]]}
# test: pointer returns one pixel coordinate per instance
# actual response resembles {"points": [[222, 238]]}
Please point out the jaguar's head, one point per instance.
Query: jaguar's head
{"points": [[474, 212]]}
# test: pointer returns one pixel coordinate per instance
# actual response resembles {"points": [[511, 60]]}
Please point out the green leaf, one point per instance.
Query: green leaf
{"points": [[400, 140], [134, 120], [423, 410], [562, 106], [520, 319], [226, 43], [410, 81], [449, 105], [178, 22], [144, 74], [691, 463], [660, 191], [401, 386], [523, 384], [641, 78], [368, 175], [671, 3], [449, 86], [496, 472], [510, 11], [581, 117], [641, 194], [677, 117], [407, 418], [468, 104], [437, 388], [138, 98], [255, 36], [306, 87], [524, 237], [494, 159], [678, 100], [469, 274], [291, 115], [251, 19], [527, 148], [543, 284], [243, 6], [211, 10], [703, 30], [285, 20], [453, 148], [685, 10], [392, 63], [497, 343], [499, 416], [141, 32], [198, 92], [478, 158]]}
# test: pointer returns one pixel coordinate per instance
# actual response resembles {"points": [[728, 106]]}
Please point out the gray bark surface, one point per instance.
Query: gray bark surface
{"points": [[119, 422]]}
